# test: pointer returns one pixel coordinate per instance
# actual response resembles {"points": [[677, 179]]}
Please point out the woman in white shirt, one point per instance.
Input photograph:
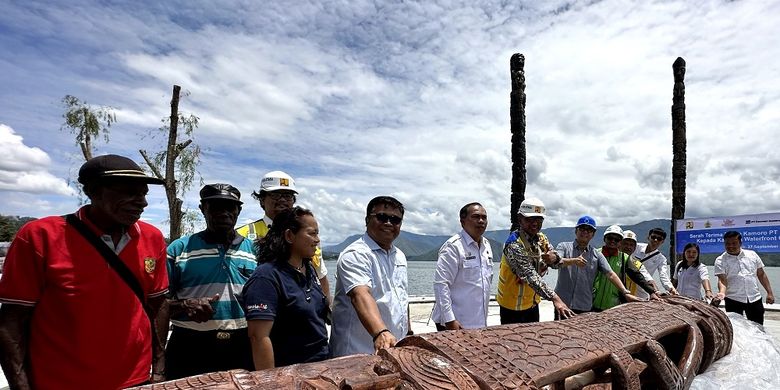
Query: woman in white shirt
{"points": [[690, 275]]}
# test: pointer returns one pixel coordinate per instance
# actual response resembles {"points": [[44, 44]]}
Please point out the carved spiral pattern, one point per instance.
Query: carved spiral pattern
{"points": [[647, 344]]}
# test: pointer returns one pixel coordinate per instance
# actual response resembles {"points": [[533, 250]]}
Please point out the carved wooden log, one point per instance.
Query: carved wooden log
{"points": [[638, 345]]}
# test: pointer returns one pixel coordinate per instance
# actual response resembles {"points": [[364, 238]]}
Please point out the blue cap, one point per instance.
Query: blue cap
{"points": [[586, 220]]}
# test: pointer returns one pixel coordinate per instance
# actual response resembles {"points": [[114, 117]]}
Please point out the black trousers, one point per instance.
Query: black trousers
{"points": [[191, 352], [509, 316], [753, 310]]}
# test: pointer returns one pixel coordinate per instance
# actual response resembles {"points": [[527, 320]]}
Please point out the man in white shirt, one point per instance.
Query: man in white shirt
{"points": [[739, 271], [654, 260], [371, 305], [464, 272]]}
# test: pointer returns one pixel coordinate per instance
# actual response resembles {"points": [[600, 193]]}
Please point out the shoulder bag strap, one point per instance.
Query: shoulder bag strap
{"points": [[650, 256], [116, 263], [111, 258]]}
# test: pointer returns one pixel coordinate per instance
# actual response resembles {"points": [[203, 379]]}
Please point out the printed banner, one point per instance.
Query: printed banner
{"points": [[760, 232]]}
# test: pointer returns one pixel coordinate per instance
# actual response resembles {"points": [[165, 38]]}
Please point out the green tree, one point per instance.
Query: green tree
{"points": [[87, 123], [9, 225], [7, 229], [177, 163]]}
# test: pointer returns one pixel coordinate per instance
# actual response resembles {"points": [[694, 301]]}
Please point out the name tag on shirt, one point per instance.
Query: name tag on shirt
{"points": [[470, 261]]}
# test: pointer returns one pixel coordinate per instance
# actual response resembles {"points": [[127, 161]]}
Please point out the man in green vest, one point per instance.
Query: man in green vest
{"points": [[605, 294], [277, 193]]}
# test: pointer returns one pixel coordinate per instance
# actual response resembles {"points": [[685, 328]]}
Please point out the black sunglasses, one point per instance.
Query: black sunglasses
{"points": [[613, 238], [279, 196], [384, 218], [656, 238]]}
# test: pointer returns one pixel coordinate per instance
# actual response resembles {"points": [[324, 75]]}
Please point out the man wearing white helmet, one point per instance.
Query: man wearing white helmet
{"points": [[526, 255], [605, 294], [277, 193], [628, 246], [628, 243]]}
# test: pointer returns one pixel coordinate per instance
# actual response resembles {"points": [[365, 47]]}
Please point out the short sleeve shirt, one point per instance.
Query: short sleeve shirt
{"points": [[296, 304], [199, 268], [365, 263], [85, 317], [689, 280], [575, 284], [740, 272]]}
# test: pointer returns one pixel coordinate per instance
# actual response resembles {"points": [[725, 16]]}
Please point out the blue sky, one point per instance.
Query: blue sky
{"points": [[358, 99]]}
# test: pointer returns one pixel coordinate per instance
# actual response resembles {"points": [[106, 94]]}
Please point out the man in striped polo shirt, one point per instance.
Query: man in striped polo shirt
{"points": [[207, 271]]}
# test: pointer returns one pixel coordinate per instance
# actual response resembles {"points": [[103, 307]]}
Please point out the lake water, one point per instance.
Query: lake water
{"points": [[420, 275]]}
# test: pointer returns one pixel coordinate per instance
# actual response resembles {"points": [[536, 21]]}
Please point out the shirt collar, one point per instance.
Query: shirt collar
{"points": [[285, 266], [204, 234], [467, 238], [575, 245], [609, 252], [268, 221], [374, 246], [130, 233], [738, 255], [133, 231], [531, 238]]}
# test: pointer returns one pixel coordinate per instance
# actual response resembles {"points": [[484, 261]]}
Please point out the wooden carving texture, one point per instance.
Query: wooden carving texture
{"points": [[517, 127], [638, 345], [679, 151]]}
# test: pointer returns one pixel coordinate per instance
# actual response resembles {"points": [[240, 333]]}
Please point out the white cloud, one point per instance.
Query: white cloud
{"points": [[23, 168], [412, 100]]}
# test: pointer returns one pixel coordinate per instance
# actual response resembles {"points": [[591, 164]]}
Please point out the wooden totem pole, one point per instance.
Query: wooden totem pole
{"points": [[517, 123], [679, 156]]}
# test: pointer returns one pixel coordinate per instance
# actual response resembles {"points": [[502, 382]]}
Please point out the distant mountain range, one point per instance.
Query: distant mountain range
{"points": [[420, 247]]}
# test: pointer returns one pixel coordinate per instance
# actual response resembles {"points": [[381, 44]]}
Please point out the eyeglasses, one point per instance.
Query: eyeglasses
{"points": [[586, 230], [385, 218], [612, 238], [656, 238], [281, 196]]}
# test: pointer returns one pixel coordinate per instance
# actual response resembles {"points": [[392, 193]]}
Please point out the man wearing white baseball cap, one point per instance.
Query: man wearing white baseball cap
{"points": [[277, 193], [628, 243], [527, 252], [605, 294]]}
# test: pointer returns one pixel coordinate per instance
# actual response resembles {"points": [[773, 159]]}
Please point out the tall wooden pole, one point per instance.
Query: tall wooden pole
{"points": [[517, 122], [174, 203], [679, 154]]}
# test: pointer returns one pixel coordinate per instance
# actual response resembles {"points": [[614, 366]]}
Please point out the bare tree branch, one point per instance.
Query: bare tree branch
{"points": [[150, 164]]}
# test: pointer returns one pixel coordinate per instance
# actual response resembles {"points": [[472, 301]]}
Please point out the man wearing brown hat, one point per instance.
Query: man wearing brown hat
{"points": [[207, 271], [78, 292]]}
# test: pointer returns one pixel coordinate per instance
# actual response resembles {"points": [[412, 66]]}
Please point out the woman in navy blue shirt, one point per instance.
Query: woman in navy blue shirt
{"points": [[284, 304]]}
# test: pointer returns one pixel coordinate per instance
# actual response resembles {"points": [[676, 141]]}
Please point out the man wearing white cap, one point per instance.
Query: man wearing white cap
{"points": [[277, 193], [628, 243], [527, 252], [606, 294]]}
